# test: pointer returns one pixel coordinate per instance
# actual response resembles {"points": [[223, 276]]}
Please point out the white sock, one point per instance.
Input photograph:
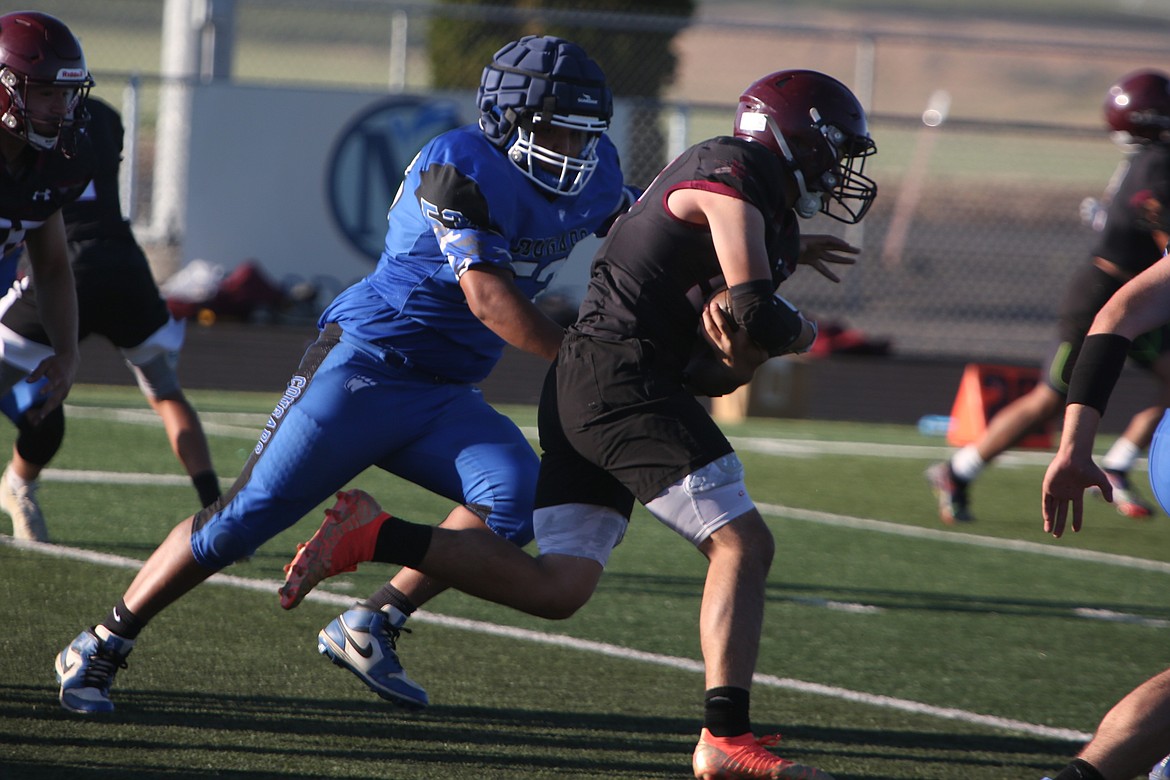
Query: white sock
{"points": [[1121, 456], [966, 463], [14, 480]]}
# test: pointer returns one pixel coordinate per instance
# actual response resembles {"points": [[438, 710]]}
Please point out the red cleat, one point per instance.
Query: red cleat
{"points": [[344, 540], [744, 758]]}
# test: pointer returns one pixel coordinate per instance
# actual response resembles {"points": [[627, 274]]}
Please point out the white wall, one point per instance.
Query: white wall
{"points": [[260, 166]]}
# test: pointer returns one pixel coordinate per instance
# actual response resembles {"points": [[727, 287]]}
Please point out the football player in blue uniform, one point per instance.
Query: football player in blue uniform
{"points": [[118, 299], [46, 165], [618, 417], [485, 216]]}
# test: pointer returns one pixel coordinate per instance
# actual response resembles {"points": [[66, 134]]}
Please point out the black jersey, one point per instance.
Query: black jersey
{"points": [[653, 272], [97, 213], [36, 185], [1141, 204]]}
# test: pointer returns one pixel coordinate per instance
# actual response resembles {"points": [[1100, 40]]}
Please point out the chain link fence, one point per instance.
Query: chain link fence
{"points": [[976, 229]]}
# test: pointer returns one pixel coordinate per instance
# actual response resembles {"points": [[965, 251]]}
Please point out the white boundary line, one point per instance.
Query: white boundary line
{"points": [[585, 645]]}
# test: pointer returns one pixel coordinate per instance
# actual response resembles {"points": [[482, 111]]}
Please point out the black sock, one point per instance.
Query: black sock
{"points": [[392, 596], [1079, 769], [402, 542], [725, 711], [207, 486], [123, 622]]}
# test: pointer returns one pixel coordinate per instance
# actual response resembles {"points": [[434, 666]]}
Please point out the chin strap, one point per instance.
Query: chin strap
{"points": [[808, 204]]}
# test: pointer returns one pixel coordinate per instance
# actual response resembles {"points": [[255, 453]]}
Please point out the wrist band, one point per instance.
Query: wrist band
{"points": [[1097, 369]]}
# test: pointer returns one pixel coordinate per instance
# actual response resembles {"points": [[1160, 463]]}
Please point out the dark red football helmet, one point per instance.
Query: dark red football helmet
{"points": [[1138, 104], [816, 125], [37, 51]]}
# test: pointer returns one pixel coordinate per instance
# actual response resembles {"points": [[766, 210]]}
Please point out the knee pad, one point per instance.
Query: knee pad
{"points": [[157, 378], [39, 443], [154, 361], [581, 530], [704, 501]]}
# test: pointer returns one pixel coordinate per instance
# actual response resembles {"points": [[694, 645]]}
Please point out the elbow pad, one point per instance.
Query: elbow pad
{"points": [[769, 320]]}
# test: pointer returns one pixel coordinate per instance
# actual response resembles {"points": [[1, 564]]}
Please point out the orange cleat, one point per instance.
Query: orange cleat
{"points": [[344, 540], [744, 758]]}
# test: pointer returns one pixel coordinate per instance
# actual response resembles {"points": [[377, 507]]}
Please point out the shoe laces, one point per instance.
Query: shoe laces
{"points": [[392, 633], [102, 667]]}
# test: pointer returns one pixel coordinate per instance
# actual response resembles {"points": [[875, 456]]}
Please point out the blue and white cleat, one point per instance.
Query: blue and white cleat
{"points": [[364, 641], [86, 670]]}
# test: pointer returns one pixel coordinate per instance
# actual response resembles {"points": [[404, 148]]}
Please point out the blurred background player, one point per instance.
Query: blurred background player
{"points": [[1137, 110], [485, 216], [117, 299], [618, 416], [43, 84]]}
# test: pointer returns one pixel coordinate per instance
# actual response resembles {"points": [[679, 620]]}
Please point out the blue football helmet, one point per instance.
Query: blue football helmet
{"points": [[543, 81]]}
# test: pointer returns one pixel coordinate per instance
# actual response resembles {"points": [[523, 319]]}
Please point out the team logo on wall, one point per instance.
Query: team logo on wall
{"points": [[368, 159]]}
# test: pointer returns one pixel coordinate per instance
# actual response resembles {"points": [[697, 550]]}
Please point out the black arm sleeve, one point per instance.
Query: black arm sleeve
{"points": [[1097, 370], [771, 322]]}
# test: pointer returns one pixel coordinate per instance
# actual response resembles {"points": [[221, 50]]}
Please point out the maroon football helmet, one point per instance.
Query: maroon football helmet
{"points": [[816, 125], [37, 51], [1138, 104]]}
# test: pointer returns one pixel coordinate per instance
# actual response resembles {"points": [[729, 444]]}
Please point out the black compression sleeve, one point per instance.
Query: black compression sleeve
{"points": [[1097, 370], [771, 323]]}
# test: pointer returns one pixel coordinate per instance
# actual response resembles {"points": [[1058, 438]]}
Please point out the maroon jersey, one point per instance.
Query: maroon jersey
{"points": [[1140, 205], [97, 214], [654, 271], [38, 184]]}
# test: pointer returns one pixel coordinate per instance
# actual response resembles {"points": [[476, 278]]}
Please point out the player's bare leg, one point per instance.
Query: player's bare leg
{"points": [[188, 442], [950, 480], [730, 621], [1132, 736]]}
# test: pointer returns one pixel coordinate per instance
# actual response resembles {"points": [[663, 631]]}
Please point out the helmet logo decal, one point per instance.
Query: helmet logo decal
{"points": [[753, 122]]}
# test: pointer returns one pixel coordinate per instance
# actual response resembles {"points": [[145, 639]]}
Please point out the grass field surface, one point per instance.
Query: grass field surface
{"points": [[893, 648]]}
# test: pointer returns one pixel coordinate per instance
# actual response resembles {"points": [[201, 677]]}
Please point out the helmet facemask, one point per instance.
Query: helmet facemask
{"points": [[828, 171], [39, 53], [560, 174], [543, 82], [21, 120]]}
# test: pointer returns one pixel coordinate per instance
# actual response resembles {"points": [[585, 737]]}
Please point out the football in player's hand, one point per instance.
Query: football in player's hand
{"points": [[722, 298]]}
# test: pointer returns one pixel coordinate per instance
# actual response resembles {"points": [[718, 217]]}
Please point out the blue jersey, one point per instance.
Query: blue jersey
{"points": [[463, 204]]}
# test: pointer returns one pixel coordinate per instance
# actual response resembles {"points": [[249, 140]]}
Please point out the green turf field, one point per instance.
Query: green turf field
{"points": [[893, 649]]}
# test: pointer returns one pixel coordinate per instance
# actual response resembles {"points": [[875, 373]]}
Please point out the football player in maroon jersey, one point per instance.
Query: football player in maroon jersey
{"points": [[1137, 111], [43, 84]]}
